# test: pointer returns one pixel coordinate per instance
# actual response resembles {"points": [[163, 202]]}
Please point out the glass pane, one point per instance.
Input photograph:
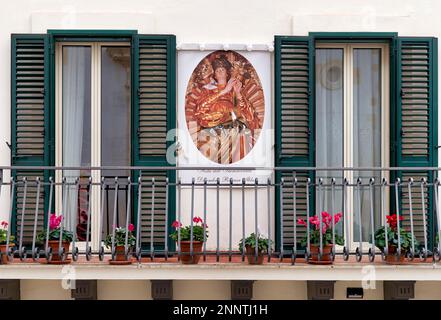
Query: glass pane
{"points": [[115, 126], [329, 124], [76, 93], [367, 135]]}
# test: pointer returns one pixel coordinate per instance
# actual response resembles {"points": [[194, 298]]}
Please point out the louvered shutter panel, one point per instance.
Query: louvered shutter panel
{"points": [[416, 124], [154, 116], [294, 67], [29, 125]]}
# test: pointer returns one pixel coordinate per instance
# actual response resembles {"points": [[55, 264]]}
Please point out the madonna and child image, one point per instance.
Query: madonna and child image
{"points": [[224, 106]]}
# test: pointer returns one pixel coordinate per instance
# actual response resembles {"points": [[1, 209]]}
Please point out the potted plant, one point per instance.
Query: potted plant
{"points": [[53, 239], [182, 236], [119, 241], [406, 239], [326, 237], [250, 245], [4, 240]]}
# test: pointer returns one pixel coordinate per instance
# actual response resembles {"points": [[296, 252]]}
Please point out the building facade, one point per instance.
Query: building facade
{"points": [[251, 116]]}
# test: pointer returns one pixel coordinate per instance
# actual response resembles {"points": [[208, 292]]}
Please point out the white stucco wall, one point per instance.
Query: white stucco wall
{"points": [[200, 21]]}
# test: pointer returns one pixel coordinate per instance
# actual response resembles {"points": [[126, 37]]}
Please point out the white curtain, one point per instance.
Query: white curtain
{"points": [[367, 132], [75, 70], [329, 122]]}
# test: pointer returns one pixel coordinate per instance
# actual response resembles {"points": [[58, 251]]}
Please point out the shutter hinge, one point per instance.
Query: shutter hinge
{"points": [[402, 93], [138, 92], [138, 132], [43, 91]]}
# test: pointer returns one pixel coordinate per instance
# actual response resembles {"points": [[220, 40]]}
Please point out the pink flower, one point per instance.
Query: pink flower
{"points": [[337, 217], [197, 220], [176, 224], [301, 222], [131, 227], [54, 221]]}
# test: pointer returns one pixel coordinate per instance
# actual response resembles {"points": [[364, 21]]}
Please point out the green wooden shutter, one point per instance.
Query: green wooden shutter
{"points": [[154, 115], [294, 67], [30, 141], [416, 128]]}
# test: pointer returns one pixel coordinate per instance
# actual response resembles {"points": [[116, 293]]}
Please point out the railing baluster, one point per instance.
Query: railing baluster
{"points": [[74, 214], [359, 249], [35, 250], [320, 201], [243, 219], [128, 210], [268, 195], [9, 250], [308, 236], [48, 250], [88, 247], [282, 181], [346, 247], [217, 219], [230, 236], [205, 220], [423, 255], [191, 218], [114, 226], [409, 188], [166, 220], [437, 252], [385, 224], [179, 217], [104, 194], [333, 217], [138, 220], [294, 209], [397, 206], [256, 230], [371, 252], [21, 248], [61, 252], [152, 221]]}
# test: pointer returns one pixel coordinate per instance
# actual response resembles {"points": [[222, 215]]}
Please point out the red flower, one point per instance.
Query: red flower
{"points": [[131, 227], [197, 220], [4, 224], [176, 224], [301, 222], [393, 221], [54, 221]]}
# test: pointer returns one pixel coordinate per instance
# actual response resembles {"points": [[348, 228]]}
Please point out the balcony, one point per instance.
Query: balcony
{"points": [[92, 201]]}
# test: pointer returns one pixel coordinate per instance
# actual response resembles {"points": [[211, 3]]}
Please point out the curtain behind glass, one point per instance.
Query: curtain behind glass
{"points": [[76, 123], [367, 134], [329, 123]]}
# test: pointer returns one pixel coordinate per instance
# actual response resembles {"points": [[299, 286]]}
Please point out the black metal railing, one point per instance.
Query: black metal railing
{"points": [[362, 198]]}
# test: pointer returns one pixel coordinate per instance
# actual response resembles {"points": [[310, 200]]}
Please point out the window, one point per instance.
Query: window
{"points": [[353, 100], [352, 123], [93, 115], [77, 94]]}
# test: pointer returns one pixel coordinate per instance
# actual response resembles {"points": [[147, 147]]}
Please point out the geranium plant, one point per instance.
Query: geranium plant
{"points": [[198, 230], [4, 233], [406, 237], [120, 237], [262, 243], [55, 230], [326, 229]]}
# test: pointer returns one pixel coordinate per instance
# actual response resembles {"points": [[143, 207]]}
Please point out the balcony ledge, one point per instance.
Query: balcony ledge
{"points": [[347, 271]]}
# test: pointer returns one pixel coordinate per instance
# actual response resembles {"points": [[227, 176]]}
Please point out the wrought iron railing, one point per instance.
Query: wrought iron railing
{"points": [[363, 197]]}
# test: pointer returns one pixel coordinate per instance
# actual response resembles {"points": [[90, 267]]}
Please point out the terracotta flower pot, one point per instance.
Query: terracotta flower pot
{"points": [[391, 257], [55, 245], [186, 257], [5, 259], [326, 257], [251, 255], [120, 253]]}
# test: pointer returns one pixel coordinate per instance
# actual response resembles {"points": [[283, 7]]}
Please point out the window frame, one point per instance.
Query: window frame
{"points": [[348, 119], [96, 122]]}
